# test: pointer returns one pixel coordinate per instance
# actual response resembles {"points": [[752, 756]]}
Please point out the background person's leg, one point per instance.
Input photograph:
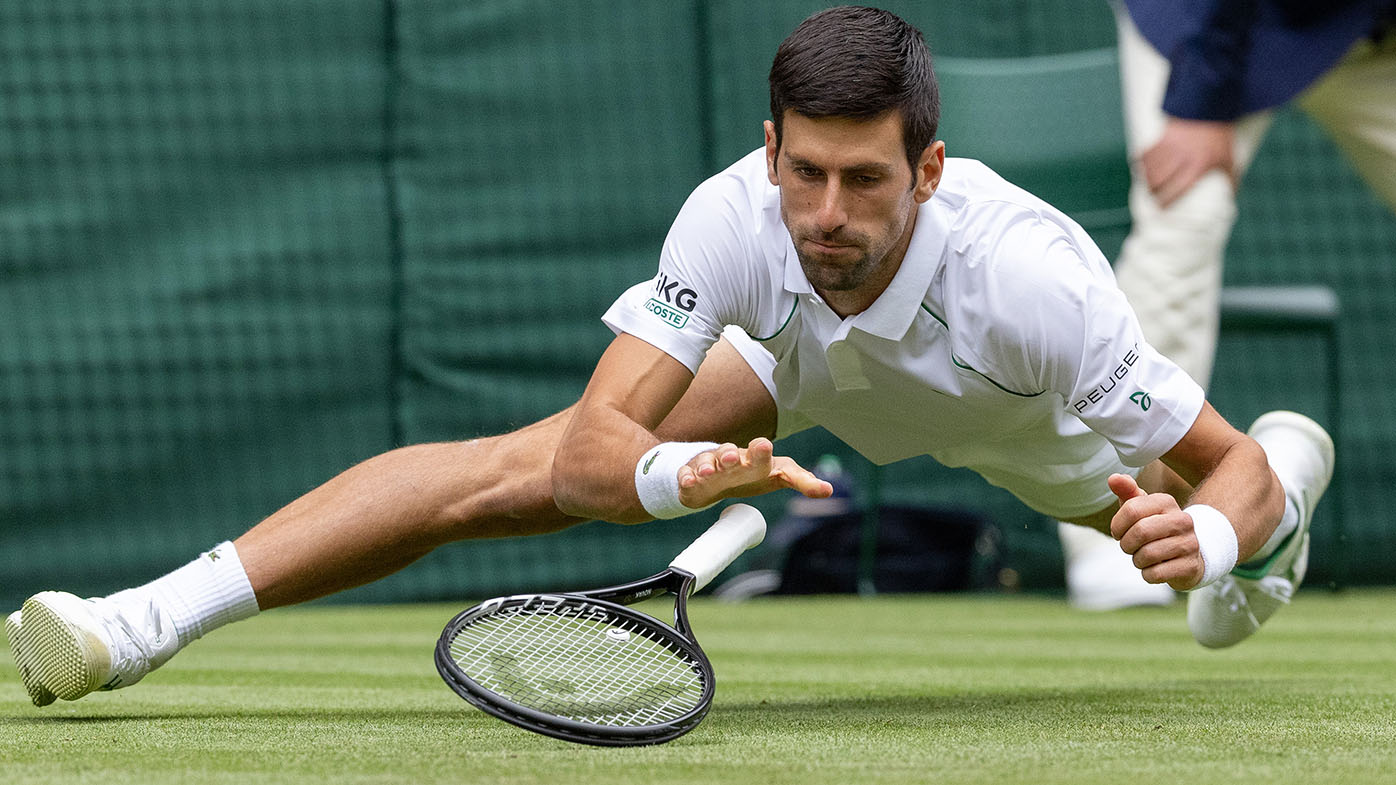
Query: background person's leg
{"points": [[1356, 104], [1170, 268]]}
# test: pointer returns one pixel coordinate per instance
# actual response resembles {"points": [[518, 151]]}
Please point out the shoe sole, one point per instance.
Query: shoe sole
{"points": [[63, 657], [19, 649]]}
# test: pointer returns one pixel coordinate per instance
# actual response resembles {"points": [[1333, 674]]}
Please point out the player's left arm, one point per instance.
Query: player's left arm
{"points": [[1229, 472]]}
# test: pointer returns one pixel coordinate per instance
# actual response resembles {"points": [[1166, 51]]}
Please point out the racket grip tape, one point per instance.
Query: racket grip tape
{"points": [[738, 528]]}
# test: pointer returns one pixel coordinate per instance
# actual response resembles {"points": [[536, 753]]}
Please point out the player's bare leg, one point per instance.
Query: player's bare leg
{"points": [[372, 520], [389, 511]]}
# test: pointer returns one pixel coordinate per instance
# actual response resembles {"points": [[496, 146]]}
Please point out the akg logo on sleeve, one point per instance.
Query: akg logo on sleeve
{"points": [[672, 302]]}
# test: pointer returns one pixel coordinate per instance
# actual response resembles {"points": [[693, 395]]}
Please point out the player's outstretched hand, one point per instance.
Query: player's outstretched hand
{"points": [[730, 471], [1153, 529]]}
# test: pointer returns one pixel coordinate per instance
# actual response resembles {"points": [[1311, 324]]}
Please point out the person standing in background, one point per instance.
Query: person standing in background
{"points": [[1200, 81]]}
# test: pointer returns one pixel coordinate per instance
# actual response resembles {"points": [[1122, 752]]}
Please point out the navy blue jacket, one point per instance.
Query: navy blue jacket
{"points": [[1232, 57]]}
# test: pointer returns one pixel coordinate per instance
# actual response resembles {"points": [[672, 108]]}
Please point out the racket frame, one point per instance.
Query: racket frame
{"points": [[614, 600]]}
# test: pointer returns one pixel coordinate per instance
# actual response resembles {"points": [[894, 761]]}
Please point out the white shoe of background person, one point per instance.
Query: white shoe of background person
{"points": [[1101, 577], [1230, 610], [66, 647]]}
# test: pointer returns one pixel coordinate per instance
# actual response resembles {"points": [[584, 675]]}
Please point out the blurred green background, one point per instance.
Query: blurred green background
{"points": [[245, 244]]}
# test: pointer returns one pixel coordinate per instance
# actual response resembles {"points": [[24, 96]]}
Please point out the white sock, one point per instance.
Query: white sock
{"points": [[1288, 523], [199, 597]]}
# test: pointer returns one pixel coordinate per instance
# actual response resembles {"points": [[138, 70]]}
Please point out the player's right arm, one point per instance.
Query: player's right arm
{"points": [[634, 386]]}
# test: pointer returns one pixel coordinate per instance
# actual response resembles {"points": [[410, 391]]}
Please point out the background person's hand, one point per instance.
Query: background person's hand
{"points": [[1187, 150]]}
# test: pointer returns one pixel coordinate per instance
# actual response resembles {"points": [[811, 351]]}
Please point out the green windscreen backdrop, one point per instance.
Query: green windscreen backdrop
{"points": [[246, 244]]}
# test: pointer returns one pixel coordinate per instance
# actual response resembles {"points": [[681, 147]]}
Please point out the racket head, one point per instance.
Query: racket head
{"points": [[577, 668]]}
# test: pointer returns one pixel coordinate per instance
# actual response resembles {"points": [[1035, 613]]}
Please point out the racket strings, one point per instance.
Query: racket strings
{"points": [[597, 669], [554, 670], [560, 674]]}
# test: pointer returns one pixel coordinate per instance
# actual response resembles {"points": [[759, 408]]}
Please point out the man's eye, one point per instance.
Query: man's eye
{"points": [[807, 171], [866, 179]]}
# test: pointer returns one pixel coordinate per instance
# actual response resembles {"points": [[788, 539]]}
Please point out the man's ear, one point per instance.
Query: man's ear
{"points": [[929, 169], [772, 149]]}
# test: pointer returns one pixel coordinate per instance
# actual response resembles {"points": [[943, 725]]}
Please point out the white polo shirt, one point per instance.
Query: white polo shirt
{"points": [[1002, 343]]}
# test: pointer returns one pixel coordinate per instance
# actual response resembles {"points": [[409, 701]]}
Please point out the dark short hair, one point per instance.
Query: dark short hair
{"points": [[858, 62]]}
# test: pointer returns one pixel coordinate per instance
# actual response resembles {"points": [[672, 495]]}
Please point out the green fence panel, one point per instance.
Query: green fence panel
{"points": [[246, 244], [544, 149], [193, 268]]}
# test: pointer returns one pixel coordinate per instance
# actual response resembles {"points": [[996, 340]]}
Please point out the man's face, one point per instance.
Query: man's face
{"points": [[849, 200]]}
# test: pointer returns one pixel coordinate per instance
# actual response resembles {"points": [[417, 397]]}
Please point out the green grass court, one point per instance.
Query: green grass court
{"points": [[944, 689]]}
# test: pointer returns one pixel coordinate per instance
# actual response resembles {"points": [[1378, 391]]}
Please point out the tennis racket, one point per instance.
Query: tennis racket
{"points": [[583, 667]]}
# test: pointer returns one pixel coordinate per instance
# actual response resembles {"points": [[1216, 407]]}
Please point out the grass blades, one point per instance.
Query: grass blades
{"points": [[955, 689]]}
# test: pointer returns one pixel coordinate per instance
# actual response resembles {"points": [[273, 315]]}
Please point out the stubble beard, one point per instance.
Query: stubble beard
{"points": [[839, 273], [835, 275]]}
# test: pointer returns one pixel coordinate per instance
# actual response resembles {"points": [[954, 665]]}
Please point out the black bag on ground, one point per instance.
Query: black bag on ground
{"points": [[918, 550]]}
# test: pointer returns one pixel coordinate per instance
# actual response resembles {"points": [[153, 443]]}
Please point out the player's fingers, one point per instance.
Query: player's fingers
{"points": [[1181, 574], [1167, 193], [687, 476], [729, 455], [760, 449], [1158, 181], [1124, 487], [1157, 517], [803, 482], [1166, 549], [753, 480], [792, 475], [1135, 506], [705, 463], [755, 459], [727, 469]]}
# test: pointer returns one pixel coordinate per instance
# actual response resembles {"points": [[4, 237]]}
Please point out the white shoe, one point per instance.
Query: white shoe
{"points": [[38, 693], [70, 646], [1230, 610], [1101, 577]]}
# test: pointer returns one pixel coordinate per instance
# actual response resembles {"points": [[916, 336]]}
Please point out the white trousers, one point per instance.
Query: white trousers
{"points": [[1170, 266]]}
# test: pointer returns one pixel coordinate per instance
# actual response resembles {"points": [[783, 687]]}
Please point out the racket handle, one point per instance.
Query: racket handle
{"points": [[738, 528]]}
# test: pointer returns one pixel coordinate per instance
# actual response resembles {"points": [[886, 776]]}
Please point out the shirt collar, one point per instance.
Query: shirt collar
{"points": [[892, 313]]}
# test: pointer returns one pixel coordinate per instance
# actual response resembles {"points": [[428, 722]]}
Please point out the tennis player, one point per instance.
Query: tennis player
{"points": [[846, 274]]}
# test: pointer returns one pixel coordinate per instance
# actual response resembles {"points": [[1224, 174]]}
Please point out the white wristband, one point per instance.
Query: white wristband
{"points": [[657, 477], [1216, 541]]}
